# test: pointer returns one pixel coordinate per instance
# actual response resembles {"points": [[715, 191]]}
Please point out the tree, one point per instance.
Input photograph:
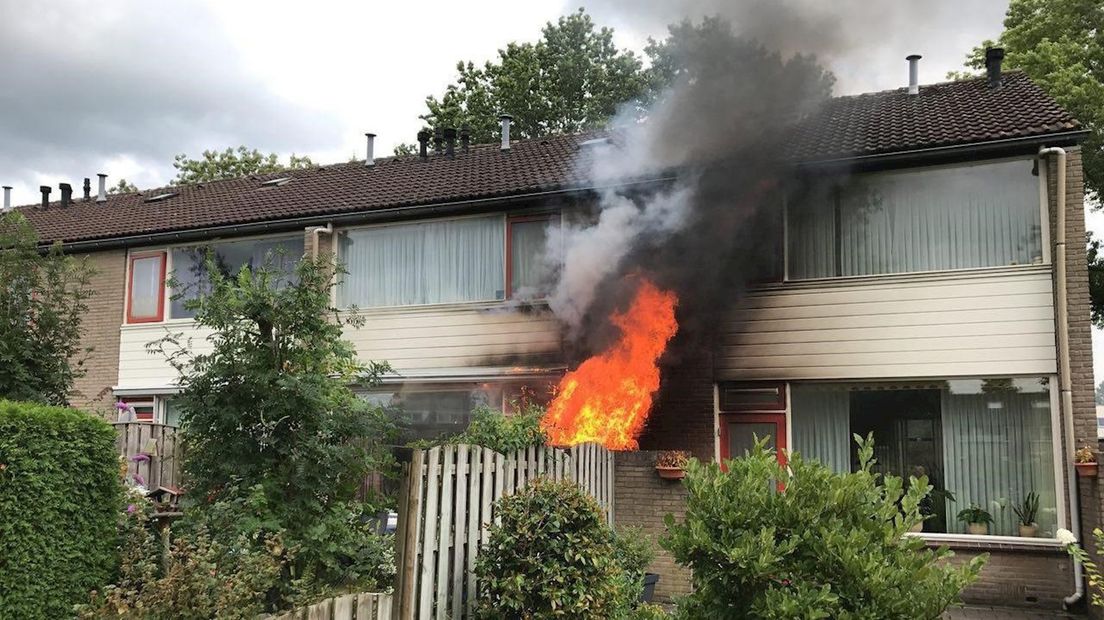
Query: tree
{"points": [[231, 164], [574, 78], [1100, 393], [123, 187], [43, 297]]}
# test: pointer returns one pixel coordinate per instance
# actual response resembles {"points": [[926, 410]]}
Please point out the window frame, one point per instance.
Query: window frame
{"points": [[548, 217], [1043, 222], [160, 316]]}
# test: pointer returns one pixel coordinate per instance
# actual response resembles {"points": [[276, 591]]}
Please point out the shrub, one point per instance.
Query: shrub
{"points": [[553, 556], [767, 542], [503, 433], [59, 497]]}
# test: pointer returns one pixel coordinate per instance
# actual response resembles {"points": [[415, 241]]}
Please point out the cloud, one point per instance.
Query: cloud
{"points": [[84, 84]]}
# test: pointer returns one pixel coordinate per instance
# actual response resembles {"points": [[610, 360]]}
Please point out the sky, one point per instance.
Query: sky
{"points": [[121, 87]]}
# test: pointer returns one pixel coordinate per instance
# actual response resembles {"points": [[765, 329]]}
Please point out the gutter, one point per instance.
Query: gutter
{"points": [[1065, 381]]}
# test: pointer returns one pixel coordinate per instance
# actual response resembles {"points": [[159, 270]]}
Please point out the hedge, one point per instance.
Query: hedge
{"points": [[60, 496]]}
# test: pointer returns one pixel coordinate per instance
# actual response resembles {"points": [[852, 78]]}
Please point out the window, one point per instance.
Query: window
{"points": [[979, 441], [436, 262], [146, 298], [528, 271], [190, 267], [983, 215]]}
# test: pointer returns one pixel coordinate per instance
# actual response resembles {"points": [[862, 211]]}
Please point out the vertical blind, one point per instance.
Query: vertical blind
{"points": [[982, 215], [146, 285], [528, 240], [424, 263], [821, 425]]}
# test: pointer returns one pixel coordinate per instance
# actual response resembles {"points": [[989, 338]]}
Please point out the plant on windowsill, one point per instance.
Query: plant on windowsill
{"points": [[1026, 512], [976, 518], [1085, 462], [671, 464]]}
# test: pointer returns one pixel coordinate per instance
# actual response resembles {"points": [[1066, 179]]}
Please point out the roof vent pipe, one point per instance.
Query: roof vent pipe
{"points": [[450, 142], [438, 141], [102, 196], [87, 189], [914, 73], [45, 189], [370, 158], [993, 58], [66, 194], [7, 197], [423, 144], [505, 118], [465, 138]]}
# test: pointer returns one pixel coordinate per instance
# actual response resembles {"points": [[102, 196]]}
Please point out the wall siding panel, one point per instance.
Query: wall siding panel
{"points": [[988, 322]]}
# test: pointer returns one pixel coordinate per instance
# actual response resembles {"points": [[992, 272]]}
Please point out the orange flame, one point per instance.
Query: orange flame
{"points": [[608, 397]]}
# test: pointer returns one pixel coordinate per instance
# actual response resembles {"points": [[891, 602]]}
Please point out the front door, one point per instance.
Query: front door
{"points": [[751, 411]]}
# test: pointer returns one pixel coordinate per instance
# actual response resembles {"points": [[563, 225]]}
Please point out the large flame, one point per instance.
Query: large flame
{"points": [[607, 398]]}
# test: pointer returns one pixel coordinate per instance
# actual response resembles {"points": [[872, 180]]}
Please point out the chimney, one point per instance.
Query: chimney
{"points": [[66, 194], [450, 142], [370, 159], [102, 196], [993, 58], [465, 138], [7, 197], [505, 118], [914, 73], [87, 189], [438, 141], [423, 143], [45, 189]]}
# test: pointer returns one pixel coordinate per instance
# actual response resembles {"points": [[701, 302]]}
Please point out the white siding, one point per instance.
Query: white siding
{"points": [[986, 322], [140, 369], [450, 338]]}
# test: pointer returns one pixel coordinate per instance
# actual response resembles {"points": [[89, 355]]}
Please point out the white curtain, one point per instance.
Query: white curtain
{"points": [[981, 215], [820, 416], [424, 263], [996, 449], [527, 252]]}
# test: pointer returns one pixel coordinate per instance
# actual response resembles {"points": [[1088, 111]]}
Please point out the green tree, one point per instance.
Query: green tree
{"points": [[123, 187], [1100, 393], [574, 78], [43, 298], [231, 164], [767, 541]]}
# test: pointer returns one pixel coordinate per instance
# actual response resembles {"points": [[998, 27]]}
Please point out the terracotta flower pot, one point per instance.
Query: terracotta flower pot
{"points": [[671, 473], [978, 529], [1029, 531], [1086, 470]]}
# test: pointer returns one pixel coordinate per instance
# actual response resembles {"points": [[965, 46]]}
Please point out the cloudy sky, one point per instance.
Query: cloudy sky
{"points": [[121, 87]]}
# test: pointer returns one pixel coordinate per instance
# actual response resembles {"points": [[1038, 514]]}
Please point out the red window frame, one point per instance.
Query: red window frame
{"points": [[510, 220], [778, 404], [778, 419], [160, 316]]}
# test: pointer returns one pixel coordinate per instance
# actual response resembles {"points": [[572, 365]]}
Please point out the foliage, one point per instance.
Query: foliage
{"points": [[231, 164], [673, 458], [123, 187], [574, 78], [766, 541], [1084, 454], [1095, 580], [1028, 509], [42, 301], [974, 514], [59, 492], [553, 556], [503, 433], [1099, 387]]}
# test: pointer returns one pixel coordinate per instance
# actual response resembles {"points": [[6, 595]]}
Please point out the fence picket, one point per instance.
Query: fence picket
{"points": [[478, 486], [429, 534], [444, 530], [343, 607], [458, 538], [366, 607]]}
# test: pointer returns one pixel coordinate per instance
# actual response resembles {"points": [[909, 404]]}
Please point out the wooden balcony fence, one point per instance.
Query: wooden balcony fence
{"points": [[161, 467]]}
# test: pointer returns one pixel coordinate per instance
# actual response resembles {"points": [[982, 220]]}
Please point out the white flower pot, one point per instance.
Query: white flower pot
{"points": [[978, 529], [1029, 531]]}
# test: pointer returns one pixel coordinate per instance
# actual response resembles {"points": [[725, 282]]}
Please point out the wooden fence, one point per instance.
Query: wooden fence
{"points": [[363, 606], [446, 504], [158, 442]]}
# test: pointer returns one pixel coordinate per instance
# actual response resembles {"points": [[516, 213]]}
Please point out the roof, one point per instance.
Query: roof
{"points": [[949, 114]]}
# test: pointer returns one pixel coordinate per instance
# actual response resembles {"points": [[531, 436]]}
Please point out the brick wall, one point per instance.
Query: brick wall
{"points": [[682, 418], [1039, 579], [641, 499], [100, 327]]}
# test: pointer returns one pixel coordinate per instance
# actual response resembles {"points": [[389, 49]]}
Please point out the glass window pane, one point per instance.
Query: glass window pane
{"points": [[983, 215], [742, 436], [190, 269], [146, 286], [426, 263], [529, 274], [429, 412], [172, 412]]}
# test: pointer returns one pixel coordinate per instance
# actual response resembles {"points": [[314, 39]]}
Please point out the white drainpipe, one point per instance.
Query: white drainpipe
{"points": [[314, 232], [1065, 381]]}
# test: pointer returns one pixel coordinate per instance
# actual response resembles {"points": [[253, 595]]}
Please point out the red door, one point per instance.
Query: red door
{"points": [[750, 411]]}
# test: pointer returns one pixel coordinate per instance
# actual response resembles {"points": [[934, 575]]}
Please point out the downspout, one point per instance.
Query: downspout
{"points": [[1065, 381], [314, 231]]}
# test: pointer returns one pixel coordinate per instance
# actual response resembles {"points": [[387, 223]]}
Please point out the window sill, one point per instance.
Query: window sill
{"points": [[992, 543], [950, 274], [506, 304]]}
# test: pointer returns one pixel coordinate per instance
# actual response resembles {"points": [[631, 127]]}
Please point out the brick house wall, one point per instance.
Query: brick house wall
{"points": [[100, 327], [1037, 578]]}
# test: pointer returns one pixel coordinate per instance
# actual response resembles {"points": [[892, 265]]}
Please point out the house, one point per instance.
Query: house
{"points": [[922, 297]]}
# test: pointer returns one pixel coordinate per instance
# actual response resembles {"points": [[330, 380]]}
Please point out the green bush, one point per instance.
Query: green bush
{"points": [[59, 499], [502, 433], [553, 556], [767, 542]]}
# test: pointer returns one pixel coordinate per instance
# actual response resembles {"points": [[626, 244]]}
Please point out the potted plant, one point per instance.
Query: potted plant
{"points": [[1026, 512], [671, 464], [1085, 462], [976, 518]]}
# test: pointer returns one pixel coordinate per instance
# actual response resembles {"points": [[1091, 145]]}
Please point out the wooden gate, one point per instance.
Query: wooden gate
{"points": [[446, 503], [161, 467]]}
